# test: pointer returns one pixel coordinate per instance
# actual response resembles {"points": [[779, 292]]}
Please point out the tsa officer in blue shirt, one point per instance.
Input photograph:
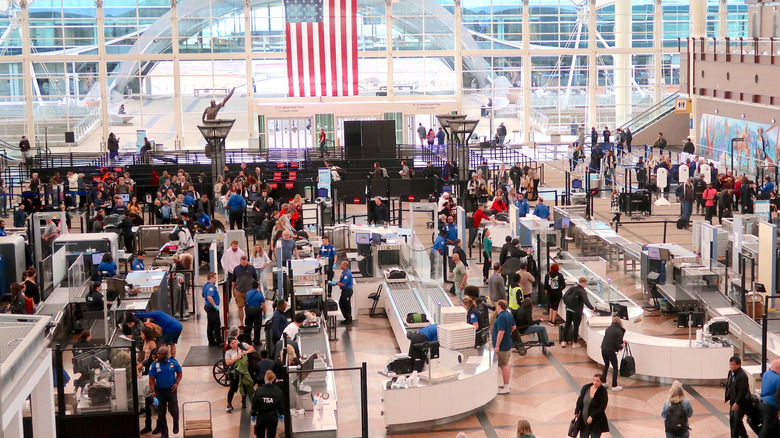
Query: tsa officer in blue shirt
{"points": [[164, 378], [436, 251], [522, 205], [138, 263], [542, 210], [329, 251], [211, 306], [346, 283], [255, 308]]}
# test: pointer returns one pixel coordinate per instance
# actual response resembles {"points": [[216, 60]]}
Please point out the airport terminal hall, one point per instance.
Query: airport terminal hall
{"points": [[389, 218]]}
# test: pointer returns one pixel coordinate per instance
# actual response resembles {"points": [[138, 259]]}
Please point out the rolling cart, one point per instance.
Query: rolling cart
{"points": [[196, 427]]}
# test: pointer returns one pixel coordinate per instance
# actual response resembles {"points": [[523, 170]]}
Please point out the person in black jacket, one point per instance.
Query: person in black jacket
{"points": [[591, 407], [612, 343], [505, 250], [527, 325], [737, 396], [267, 407], [576, 302]]}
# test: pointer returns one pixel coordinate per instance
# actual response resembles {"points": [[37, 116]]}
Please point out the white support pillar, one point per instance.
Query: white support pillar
{"points": [[593, 78], [105, 98], [177, 108], [622, 61], [42, 402], [723, 26], [24, 33], [389, 55], [458, 56], [526, 73], [15, 428], [251, 110], [698, 18], [658, 50]]}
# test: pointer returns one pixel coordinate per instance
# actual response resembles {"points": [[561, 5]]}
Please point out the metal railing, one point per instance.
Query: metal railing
{"points": [[652, 114]]}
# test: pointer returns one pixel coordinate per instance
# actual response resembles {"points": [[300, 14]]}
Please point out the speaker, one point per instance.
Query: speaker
{"points": [[352, 140], [70, 137]]}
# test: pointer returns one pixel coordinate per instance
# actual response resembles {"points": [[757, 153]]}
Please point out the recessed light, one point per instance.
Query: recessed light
{"points": [[743, 115]]}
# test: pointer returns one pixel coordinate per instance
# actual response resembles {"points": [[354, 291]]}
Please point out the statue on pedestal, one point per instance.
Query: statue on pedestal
{"points": [[210, 113]]}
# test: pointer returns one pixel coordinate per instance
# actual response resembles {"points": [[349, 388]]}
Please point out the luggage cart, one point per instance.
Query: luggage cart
{"points": [[196, 427]]}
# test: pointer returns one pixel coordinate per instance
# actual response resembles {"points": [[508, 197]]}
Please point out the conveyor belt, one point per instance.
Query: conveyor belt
{"points": [[714, 300], [434, 291], [404, 298]]}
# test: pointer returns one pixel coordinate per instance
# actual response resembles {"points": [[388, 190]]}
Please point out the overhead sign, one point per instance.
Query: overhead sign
{"points": [[682, 105]]}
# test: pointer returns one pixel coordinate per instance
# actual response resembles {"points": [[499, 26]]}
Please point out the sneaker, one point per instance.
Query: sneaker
{"points": [[229, 408], [503, 390], [563, 344], [576, 345], [617, 388], [551, 344], [551, 324]]}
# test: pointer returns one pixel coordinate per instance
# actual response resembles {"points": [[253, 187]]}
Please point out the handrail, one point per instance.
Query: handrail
{"points": [[667, 104]]}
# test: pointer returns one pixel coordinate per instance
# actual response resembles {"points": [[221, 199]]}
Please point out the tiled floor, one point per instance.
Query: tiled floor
{"points": [[544, 388]]}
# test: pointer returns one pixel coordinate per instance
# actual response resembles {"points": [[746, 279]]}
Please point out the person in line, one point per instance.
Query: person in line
{"points": [[770, 401], [526, 279], [278, 322], [211, 306], [138, 262], [230, 259], [737, 396], [524, 429], [460, 276], [527, 325], [20, 216], [381, 214], [502, 335], [346, 283], [245, 276], [267, 406], [171, 328], [614, 206], [575, 303], [236, 350], [255, 309], [554, 283], [612, 343], [487, 252], [436, 252], [236, 205], [164, 378], [591, 407], [676, 412], [31, 289]]}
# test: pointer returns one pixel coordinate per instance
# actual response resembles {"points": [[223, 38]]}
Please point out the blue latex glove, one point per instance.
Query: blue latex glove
{"points": [[281, 418], [334, 266], [155, 402], [333, 283], [254, 419]]}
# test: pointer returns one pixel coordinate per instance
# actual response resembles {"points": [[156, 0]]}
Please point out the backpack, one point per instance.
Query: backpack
{"points": [[676, 420], [165, 210], [571, 298], [483, 312]]}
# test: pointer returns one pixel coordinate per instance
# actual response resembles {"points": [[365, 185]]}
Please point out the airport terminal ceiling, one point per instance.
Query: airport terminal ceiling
{"points": [[406, 50]]}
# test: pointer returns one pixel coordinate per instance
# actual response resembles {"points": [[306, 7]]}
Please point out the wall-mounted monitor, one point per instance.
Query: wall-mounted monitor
{"points": [[363, 238]]}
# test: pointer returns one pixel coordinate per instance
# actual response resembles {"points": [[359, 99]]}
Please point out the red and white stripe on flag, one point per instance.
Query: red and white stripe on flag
{"points": [[322, 56]]}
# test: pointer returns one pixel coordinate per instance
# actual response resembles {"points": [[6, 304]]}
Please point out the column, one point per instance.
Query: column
{"points": [[177, 112], [14, 428], [105, 98], [24, 33], [459, 55], [593, 77], [723, 27], [42, 401], [622, 61], [250, 89], [699, 18], [658, 49], [526, 72], [389, 50]]}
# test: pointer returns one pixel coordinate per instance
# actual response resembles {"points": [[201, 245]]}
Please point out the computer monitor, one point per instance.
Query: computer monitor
{"points": [[576, 183], [97, 257], [664, 254], [446, 188], [85, 361], [697, 319], [363, 238], [125, 197], [654, 252], [619, 310], [306, 367], [423, 347], [322, 193], [376, 238], [562, 223]]}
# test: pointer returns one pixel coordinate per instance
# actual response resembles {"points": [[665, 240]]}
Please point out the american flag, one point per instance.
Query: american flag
{"points": [[321, 38]]}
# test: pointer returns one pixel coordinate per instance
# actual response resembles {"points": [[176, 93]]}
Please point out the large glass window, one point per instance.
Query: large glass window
{"points": [[558, 23]]}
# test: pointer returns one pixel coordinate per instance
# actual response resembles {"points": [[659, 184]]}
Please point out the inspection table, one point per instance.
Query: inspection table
{"points": [[677, 296]]}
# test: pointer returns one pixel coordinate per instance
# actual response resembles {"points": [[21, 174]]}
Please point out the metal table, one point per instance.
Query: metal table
{"points": [[677, 296]]}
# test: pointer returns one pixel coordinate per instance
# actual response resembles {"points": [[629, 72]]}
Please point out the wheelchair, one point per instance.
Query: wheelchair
{"points": [[522, 346]]}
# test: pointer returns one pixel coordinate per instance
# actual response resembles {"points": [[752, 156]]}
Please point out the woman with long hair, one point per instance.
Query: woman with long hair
{"points": [[674, 404], [261, 262], [487, 252], [150, 342], [612, 343], [472, 315], [18, 303], [554, 283], [30, 287], [590, 410], [524, 429]]}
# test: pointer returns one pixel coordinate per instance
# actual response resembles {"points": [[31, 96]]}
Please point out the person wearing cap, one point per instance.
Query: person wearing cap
{"points": [[138, 262]]}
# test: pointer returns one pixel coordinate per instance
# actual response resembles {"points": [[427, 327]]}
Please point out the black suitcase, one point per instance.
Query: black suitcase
{"points": [[682, 223]]}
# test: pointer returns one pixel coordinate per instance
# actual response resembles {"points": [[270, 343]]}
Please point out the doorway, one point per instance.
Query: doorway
{"points": [[290, 133]]}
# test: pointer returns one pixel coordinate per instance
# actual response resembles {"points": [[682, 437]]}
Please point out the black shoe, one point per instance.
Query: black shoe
{"points": [[156, 430], [175, 428], [243, 403], [145, 430], [346, 322]]}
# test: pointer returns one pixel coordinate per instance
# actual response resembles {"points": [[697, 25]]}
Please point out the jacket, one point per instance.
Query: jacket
{"points": [[278, 323], [524, 319], [583, 301], [737, 387], [267, 402], [597, 408], [613, 338]]}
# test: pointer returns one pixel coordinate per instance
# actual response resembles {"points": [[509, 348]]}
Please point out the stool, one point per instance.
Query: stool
{"points": [[375, 297]]}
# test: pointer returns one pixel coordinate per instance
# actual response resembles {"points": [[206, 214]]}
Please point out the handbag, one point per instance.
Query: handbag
{"points": [[627, 363], [574, 427]]}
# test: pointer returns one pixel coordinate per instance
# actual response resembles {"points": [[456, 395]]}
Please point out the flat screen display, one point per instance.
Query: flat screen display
{"points": [[654, 252], [97, 257], [363, 238]]}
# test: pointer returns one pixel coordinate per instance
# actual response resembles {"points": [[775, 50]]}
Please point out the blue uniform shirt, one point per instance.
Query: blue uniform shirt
{"points": [[452, 232], [164, 373], [204, 220], [504, 322], [236, 202], [166, 322], [438, 244], [254, 298], [769, 385], [109, 267], [346, 279], [328, 251], [522, 206], [542, 211], [430, 332], [137, 265], [209, 290]]}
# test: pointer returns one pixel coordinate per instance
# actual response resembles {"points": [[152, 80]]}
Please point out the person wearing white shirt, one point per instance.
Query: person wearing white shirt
{"points": [[230, 259], [292, 330], [261, 262]]}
